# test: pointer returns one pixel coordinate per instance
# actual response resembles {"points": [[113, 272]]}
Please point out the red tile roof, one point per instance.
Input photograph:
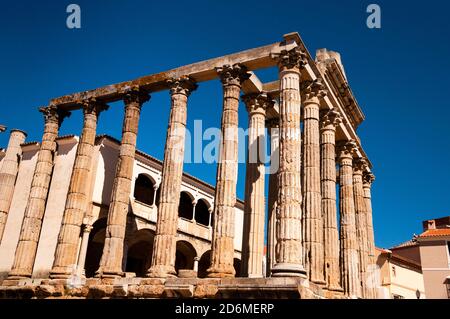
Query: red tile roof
{"points": [[436, 232]]}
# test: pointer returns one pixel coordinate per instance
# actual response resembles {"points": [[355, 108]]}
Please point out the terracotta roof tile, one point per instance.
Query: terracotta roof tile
{"points": [[436, 232]]}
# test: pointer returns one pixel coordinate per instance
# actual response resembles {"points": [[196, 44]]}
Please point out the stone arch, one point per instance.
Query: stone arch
{"points": [[202, 212], [95, 247], [185, 255], [144, 189], [140, 251], [185, 207], [204, 263]]}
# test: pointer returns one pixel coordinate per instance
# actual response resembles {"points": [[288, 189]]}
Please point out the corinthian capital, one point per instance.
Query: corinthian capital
{"points": [[52, 114], [359, 165], [368, 178], [330, 117], [93, 106], [346, 148], [135, 94], [183, 85], [257, 101], [294, 58], [233, 74], [314, 89]]}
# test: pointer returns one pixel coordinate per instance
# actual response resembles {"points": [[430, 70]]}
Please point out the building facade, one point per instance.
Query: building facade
{"points": [[434, 245], [401, 277], [96, 207]]}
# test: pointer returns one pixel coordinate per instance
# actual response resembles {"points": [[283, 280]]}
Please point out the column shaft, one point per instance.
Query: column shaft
{"points": [[368, 179], [83, 248], [113, 250], [312, 216], [254, 209], [222, 250], [289, 207], [349, 245], [78, 194], [361, 225], [329, 210], [273, 126], [34, 212], [8, 174], [164, 247]]}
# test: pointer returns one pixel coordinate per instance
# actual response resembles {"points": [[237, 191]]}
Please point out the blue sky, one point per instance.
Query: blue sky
{"points": [[398, 73]]}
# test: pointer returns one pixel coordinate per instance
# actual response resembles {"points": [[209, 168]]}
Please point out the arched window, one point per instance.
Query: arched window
{"points": [[202, 212], [185, 208], [143, 190]]}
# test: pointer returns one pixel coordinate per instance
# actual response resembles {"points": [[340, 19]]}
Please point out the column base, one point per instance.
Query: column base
{"points": [[159, 271], [109, 273], [221, 272], [335, 288], [19, 274], [319, 282], [288, 270]]}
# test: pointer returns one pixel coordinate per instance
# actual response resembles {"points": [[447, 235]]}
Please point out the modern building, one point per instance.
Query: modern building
{"points": [[400, 275], [434, 245]]}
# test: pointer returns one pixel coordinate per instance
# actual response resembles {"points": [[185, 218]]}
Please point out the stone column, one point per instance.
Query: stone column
{"points": [[78, 194], [8, 174], [273, 129], [254, 209], [84, 246], [196, 260], [111, 261], [329, 121], [348, 241], [34, 212], [312, 216], [222, 248], [289, 206], [361, 224], [368, 179], [164, 247]]}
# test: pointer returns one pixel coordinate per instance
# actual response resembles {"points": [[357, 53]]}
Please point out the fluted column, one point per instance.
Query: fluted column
{"points": [[329, 121], [222, 250], [8, 173], [254, 209], [349, 244], [361, 224], [368, 179], [164, 247], [34, 212], [273, 129], [289, 207], [312, 216], [111, 261], [77, 196]]}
